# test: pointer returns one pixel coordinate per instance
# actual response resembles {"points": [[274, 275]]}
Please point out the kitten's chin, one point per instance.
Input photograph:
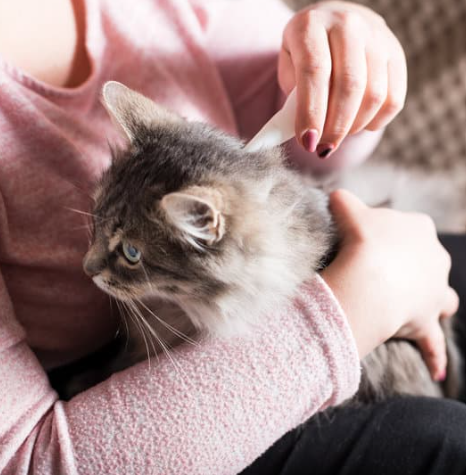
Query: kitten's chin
{"points": [[102, 284], [99, 281], [212, 320]]}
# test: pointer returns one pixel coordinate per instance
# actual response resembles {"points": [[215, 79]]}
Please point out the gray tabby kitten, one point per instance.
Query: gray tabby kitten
{"points": [[220, 235]]}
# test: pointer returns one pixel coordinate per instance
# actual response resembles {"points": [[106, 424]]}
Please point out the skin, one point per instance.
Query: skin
{"points": [[391, 278], [349, 70], [350, 73], [56, 29]]}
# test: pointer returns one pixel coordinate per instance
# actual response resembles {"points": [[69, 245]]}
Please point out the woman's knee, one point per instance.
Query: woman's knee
{"points": [[425, 435], [410, 435]]}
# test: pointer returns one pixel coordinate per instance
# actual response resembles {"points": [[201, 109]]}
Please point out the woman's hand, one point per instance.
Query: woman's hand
{"points": [[391, 278], [349, 70]]}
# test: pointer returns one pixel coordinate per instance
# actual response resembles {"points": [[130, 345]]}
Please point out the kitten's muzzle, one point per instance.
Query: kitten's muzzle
{"points": [[92, 266]]}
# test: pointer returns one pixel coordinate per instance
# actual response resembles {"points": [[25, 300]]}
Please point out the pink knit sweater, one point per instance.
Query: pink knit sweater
{"points": [[225, 402]]}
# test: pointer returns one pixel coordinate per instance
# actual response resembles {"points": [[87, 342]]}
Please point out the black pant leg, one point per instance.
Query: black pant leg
{"points": [[456, 246], [405, 435]]}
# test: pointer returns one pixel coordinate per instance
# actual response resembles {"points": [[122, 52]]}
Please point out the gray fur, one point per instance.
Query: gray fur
{"points": [[397, 368], [271, 218], [241, 233]]}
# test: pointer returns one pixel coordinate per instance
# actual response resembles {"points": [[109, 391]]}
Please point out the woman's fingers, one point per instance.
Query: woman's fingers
{"points": [[376, 88], [349, 79], [433, 345], [309, 49], [286, 77], [434, 352], [452, 302], [396, 92], [349, 70], [346, 209]]}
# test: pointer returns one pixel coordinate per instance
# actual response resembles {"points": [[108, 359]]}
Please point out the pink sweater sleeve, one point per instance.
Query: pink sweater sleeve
{"points": [[244, 38], [213, 409]]}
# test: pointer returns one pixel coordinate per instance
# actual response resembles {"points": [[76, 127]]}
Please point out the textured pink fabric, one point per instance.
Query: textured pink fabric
{"points": [[223, 403]]}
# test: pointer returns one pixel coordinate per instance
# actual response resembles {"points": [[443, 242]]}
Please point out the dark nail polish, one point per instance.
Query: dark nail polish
{"points": [[309, 139], [442, 376], [324, 150]]}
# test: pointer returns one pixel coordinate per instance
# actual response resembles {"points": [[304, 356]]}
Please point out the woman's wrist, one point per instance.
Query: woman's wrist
{"points": [[353, 279]]}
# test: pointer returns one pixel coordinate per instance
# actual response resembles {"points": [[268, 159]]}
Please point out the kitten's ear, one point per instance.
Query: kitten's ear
{"points": [[132, 111], [197, 212]]}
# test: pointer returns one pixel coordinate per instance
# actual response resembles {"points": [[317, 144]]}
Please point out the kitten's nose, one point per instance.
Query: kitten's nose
{"points": [[92, 265]]}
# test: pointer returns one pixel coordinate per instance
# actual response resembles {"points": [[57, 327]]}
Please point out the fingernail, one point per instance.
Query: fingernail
{"points": [[309, 139], [324, 150], [442, 376]]}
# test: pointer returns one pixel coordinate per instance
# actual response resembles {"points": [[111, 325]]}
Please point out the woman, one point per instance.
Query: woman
{"points": [[216, 62]]}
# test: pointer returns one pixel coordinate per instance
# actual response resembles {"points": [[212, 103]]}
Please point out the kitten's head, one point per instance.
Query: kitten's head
{"points": [[184, 213]]}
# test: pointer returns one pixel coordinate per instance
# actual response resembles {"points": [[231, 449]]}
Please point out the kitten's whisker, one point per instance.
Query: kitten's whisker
{"points": [[84, 226], [85, 213], [141, 330], [87, 194], [89, 235], [164, 347], [147, 276], [146, 335], [123, 312], [174, 330], [144, 321], [139, 316], [123, 317]]}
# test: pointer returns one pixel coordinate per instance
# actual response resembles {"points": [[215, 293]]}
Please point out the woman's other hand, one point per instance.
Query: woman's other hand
{"points": [[391, 278], [349, 70]]}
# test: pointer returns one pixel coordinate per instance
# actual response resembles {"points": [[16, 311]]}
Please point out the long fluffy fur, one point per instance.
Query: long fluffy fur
{"points": [[273, 232]]}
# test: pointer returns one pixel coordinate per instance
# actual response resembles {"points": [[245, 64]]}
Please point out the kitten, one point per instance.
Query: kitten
{"points": [[185, 215]]}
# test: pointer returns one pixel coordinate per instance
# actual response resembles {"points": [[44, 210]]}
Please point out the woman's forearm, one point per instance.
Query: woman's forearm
{"points": [[211, 408]]}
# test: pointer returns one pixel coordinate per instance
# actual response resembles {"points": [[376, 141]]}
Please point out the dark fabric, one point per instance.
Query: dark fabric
{"points": [[86, 372], [456, 246], [405, 435]]}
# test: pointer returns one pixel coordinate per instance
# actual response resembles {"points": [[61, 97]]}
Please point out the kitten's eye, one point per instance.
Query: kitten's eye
{"points": [[132, 254]]}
